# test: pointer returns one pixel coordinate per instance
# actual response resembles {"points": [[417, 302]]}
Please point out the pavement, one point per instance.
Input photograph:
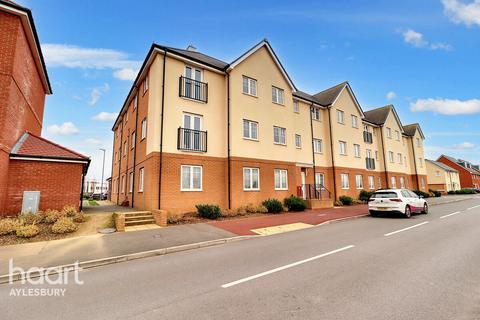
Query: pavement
{"points": [[381, 268]]}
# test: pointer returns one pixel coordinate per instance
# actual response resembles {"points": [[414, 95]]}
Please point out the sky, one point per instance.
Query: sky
{"points": [[421, 56]]}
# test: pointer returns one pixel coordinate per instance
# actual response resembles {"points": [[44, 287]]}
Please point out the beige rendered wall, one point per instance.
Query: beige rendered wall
{"points": [[432, 171], [396, 146]]}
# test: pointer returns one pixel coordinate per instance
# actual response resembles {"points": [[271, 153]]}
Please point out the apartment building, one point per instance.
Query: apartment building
{"points": [[442, 177], [195, 129], [469, 173]]}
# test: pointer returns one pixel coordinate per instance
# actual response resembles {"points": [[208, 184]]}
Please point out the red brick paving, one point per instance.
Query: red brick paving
{"points": [[243, 226]]}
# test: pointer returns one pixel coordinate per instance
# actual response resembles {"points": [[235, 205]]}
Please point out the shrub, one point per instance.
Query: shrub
{"points": [[30, 218], [365, 195], [27, 231], [51, 216], [8, 226], [338, 203], [80, 217], [250, 208], [436, 193], [421, 194], [69, 211], [208, 211], [465, 191], [346, 200], [294, 203], [173, 219], [273, 205], [355, 201], [451, 192], [230, 213], [64, 225], [262, 209], [241, 211]]}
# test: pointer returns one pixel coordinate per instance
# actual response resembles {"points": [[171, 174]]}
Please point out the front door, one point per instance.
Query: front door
{"points": [[304, 191]]}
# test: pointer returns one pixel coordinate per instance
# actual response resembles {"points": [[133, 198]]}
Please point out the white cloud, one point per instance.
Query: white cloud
{"points": [[464, 146], [459, 12], [97, 93], [391, 95], [94, 142], [446, 106], [106, 116], [65, 129], [70, 56], [417, 40], [126, 74]]}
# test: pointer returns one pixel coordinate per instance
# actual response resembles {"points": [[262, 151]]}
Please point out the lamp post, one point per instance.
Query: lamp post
{"points": [[103, 170]]}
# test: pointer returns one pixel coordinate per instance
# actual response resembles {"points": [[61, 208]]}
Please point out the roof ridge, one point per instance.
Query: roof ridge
{"points": [[57, 145], [206, 55], [337, 85]]}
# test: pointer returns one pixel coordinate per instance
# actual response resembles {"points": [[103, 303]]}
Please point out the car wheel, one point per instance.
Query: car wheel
{"points": [[373, 213], [408, 212], [425, 209]]}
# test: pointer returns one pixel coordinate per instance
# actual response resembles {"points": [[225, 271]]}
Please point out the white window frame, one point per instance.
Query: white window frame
{"points": [[354, 121], [125, 148], [316, 114], [389, 133], [135, 102], [343, 147], [284, 130], [399, 158], [344, 177], [145, 84], [278, 95], [418, 143], [296, 106], [141, 176], [251, 86], [437, 173], [340, 116], [402, 183], [133, 137], [320, 179], [190, 187], [397, 134], [420, 162], [359, 181], [249, 171], [391, 156], [356, 151], [123, 184], [317, 145], [371, 182], [250, 124], [144, 129], [130, 188], [298, 141], [393, 181], [280, 176]]}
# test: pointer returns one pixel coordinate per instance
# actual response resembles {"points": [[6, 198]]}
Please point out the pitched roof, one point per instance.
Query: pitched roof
{"points": [[442, 165], [35, 146], [411, 129], [379, 115], [328, 96], [459, 162], [198, 56], [306, 96]]}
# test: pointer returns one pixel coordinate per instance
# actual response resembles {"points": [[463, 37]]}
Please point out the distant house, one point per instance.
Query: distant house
{"points": [[35, 174], [442, 177], [469, 173]]}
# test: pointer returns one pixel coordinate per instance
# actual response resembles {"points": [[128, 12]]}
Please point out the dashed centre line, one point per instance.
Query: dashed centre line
{"points": [[405, 229], [449, 215], [473, 207]]}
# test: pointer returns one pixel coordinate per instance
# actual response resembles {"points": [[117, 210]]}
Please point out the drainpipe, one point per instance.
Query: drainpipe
{"points": [[384, 156], [313, 150], [229, 174], [161, 129], [81, 191], [415, 164], [135, 149], [331, 152], [120, 162]]}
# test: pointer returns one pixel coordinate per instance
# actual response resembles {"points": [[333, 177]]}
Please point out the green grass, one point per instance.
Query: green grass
{"points": [[93, 203]]}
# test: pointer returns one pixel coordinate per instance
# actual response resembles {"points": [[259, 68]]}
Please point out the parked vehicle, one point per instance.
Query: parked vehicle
{"points": [[401, 201], [98, 196]]}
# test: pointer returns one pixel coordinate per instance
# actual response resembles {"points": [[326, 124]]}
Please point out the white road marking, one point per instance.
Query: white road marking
{"points": [[230, 284], [405, 229], [473, 207], [449, 215]]}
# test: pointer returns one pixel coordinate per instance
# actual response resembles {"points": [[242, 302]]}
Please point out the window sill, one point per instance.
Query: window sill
{"points": [[191, 190], [318, 152], [280, 144], [194, 100], [250, 95], [251, 190], [281, 189], [278, 103], [251, 139], [346, 188]]}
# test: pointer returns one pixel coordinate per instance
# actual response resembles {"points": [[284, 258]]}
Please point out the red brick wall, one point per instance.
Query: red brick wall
{"points": [[59, 184], [352, 172], [466, 180]]}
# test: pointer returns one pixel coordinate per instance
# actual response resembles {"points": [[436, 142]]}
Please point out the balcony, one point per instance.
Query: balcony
{"points": [[367, 137], [193, 89], [191, 140], [370, 163]]}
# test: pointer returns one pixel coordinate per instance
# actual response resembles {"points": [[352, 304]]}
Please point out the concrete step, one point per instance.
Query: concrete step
{"points": [[139, 222], [138, 218], [137, 213]]}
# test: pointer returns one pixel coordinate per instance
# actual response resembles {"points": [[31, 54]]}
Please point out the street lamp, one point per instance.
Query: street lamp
{"points": [[103, 170]]}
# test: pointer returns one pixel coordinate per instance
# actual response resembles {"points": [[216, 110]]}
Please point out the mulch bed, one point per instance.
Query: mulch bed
{"points": [[193, 217], [44, 235]]}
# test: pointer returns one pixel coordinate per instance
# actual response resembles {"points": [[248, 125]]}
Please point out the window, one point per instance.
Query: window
{"points": [[249, 86], [356, 150], [389, 133], [344, 181], [144, 128], [135, 102], [277, 95], [340, 116], [298, 141], [315, 113], [191, 178], [126, 117], [391, 157], [317, 145], [145, 84], [394, 182], [296, 108], [371, 182], [279, 135], [379, 183], [125, 146], [419, 144], [420, 162], [130, 189], [123, 184], [400, 158], [359, 181], [320, 179], [405, 160], [368, 153], [281, 179], [423, 183], [354, 121], [251, 179], [250, 129], [397, 133], [132, 143], [343, 147], [140, 180], [376, 155], [437, 173], [402, 182]]}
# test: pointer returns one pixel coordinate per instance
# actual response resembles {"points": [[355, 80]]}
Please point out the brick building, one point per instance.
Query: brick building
{"points": [[194, 129], [28, 162], [469, 173]]}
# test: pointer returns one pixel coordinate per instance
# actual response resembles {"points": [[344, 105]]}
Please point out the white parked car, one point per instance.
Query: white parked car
{"points": [[401, 201]]}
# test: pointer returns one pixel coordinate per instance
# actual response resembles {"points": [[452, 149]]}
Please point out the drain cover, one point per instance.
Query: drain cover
{"points": [[106, 230]]}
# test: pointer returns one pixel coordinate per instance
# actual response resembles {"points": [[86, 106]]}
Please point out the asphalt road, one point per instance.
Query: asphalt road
{"points": [[366, 268]]}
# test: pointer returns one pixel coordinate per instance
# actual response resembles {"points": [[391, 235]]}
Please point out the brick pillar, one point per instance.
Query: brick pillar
{"points": [[160, 217], [4, 162]]}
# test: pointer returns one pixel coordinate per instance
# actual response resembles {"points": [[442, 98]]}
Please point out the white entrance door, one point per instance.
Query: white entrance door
{"points": [[304, 191]]}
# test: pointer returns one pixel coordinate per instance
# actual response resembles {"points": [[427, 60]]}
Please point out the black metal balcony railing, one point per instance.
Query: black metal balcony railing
{"points": [[191, 140], [193, 89], [367, 137], [370, 163], [311, 191]]}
